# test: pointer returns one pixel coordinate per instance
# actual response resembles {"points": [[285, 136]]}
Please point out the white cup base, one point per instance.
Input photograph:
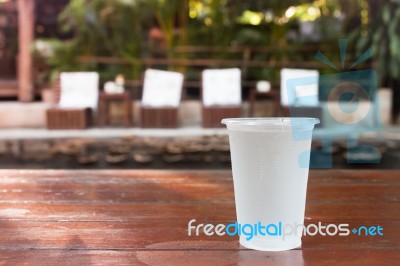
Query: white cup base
{"points": [[271, 246]]}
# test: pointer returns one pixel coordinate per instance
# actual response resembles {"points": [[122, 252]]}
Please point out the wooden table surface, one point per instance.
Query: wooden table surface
{"points": [[133, 217]]}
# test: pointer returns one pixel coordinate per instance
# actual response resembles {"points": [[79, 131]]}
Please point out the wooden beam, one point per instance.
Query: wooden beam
{"points": [[26, 21], [209, 62]]}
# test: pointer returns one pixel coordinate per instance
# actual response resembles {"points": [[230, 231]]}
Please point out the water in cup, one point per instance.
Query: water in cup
{"points": [[270, 162]]}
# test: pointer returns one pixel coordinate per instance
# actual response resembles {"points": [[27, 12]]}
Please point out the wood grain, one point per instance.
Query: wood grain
{"points": [[133, 217]]}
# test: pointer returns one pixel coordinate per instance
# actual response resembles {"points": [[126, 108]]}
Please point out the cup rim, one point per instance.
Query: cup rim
{"points": [[271, 123]]}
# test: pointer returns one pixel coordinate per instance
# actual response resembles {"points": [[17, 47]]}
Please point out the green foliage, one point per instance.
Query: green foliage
{"points": [[166, 13], [57, 55], [103, 27], [100, 28], [248, 37], [278, 7], [169, 14], [120, 28], [116, 28], [383, 37]]}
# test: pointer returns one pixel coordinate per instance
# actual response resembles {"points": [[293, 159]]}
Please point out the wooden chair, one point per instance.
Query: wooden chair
{"points": [[77, 95], [221, 95], [162, 91]]}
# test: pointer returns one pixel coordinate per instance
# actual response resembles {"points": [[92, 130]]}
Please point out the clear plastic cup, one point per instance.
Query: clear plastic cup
{"points": [[270, 163]]}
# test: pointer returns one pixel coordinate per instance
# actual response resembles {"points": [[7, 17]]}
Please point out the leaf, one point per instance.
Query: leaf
{"points": [[394, 68], [394, 45], [397, 12], [386, 14], [377, 36]]}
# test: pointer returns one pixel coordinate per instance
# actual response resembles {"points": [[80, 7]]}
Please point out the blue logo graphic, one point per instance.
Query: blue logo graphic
{"points": [[347, 105], [281, 230]]}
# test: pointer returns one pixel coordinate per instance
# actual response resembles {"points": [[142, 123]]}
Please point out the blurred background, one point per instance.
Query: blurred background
{"points": [[39, 39]]}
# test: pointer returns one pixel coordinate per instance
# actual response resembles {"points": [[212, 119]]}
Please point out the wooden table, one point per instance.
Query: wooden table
{"points": [[104, 111], [137, 217]]}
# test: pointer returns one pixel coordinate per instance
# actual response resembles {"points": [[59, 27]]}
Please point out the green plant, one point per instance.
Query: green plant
{"points": [[383, 37], [107, 28], [53, 56], [166, 14]]}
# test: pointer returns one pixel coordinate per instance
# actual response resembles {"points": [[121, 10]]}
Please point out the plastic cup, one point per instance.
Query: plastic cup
{"points": [[270, 164]]}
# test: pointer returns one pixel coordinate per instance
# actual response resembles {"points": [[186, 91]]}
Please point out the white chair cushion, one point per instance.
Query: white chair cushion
{"points": [[305, 93], [221, 87], [79, 89], [162, 88]]}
